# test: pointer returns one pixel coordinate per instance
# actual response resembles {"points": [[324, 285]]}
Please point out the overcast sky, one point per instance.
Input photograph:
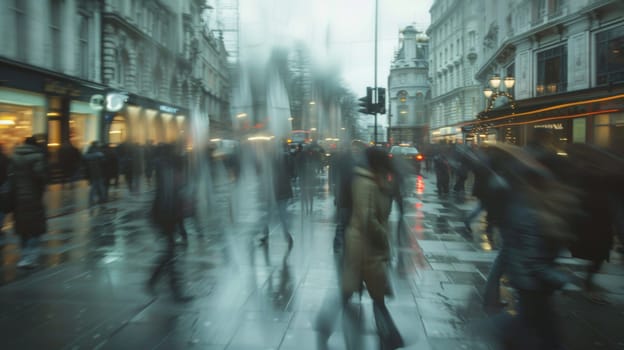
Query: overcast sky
{"points": [[350, 24]]}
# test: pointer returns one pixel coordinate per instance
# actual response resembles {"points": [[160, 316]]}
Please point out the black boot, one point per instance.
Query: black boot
{"points": [[389, 337]]}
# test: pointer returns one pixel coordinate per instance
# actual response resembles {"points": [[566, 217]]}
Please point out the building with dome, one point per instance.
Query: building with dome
{"points": [[408, 89]]}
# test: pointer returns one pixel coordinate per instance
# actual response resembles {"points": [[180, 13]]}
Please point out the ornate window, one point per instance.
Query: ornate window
{"points": [[552, 70], [402, 96], [610, 56]]}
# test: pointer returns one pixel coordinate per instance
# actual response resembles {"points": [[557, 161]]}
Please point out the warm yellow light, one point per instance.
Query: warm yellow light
{"points": [[495, 81], [53, 144], [291, 118], [53, 114], [115, 132], [515, 115], [312, 102], [241, 115], [562, 117], [487, 92], [6, 122], [539, 88], [260, 138], [215, 140], [313, 129], [509, 82]]}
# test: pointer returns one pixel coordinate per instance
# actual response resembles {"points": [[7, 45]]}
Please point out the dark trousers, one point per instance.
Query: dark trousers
{"points": [[166, 262], [537, 321], [491, 294]]}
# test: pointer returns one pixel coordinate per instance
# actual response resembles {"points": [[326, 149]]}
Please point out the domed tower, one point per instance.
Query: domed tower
{"points": [[408, 87]]}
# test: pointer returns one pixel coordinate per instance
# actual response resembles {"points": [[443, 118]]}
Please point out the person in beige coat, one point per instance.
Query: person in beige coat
{"points": [[367, 249]]}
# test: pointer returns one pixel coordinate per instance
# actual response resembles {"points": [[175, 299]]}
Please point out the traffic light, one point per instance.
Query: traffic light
{"points": [[366, 103], [381, 100]]}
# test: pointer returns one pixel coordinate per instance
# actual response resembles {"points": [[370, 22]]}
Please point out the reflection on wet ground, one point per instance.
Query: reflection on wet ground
{"points": [[90, 290]]}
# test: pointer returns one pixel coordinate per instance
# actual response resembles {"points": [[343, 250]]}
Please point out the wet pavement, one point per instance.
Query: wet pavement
{"points": [[90, 292]]}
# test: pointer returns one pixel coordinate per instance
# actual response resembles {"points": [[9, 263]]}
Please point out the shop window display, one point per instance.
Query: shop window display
{"points": [[16, 123]]}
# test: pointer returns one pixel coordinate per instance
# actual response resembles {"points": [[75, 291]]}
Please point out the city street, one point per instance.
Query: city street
{"points": [[90, 291]]}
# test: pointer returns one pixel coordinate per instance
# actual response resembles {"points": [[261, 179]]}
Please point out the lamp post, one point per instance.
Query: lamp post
{"points": [[494, 92]]}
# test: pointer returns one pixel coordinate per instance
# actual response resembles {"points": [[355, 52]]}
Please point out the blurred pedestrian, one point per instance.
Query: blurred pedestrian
{"points": [[148, 157], [483, 190], [534, 229], [308, 164], [167, 213], [4, 176], [282, 191], [69, 160], [28, 167], [598, 174], [367, 248], [344, 164], [95, 162], [443, 174], [110, 167]]}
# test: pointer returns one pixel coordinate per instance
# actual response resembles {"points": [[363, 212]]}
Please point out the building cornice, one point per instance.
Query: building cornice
{"points": [[116, 19], [537, 31], [51, 73]]}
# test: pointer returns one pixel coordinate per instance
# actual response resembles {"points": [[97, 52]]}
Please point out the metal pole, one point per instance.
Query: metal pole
{"points": [[375, 89]]}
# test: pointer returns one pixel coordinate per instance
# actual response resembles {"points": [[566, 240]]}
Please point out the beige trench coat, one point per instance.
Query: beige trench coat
{"points": [[367, 249]]}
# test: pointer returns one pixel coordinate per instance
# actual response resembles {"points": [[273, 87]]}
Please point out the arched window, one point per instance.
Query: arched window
{"points": [[402, 96]]}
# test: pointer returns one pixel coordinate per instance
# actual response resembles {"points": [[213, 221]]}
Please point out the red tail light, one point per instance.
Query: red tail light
{"points": [[419, 157]]}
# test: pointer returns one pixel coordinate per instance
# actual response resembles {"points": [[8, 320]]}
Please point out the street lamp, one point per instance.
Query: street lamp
{"points": [[493, 93]]}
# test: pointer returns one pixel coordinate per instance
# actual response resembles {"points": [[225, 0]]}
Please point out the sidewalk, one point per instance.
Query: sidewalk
{"points": [[90, 291]]}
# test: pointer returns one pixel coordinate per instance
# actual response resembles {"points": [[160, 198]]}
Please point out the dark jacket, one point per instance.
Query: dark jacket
{"points": [[168, 205], [29, 168], [530, 256], [95, 161], [4, 167], [282, 174]]}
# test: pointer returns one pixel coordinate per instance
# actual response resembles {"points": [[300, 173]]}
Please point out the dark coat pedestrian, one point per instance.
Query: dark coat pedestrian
{"points": [[367, 247], [443, 174], [95, 161], [167, 213], [69, 160], [28, 166]]}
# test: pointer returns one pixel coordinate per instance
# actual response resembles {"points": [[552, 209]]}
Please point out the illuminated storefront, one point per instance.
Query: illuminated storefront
{"points": [[36, 101], [593, 116], [142, 119]]}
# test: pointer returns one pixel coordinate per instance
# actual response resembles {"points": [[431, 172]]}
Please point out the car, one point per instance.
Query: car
{"points": [[409, 155]]}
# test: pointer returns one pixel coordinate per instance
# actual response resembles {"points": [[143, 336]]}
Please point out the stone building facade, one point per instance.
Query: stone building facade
{"points": [[49, 69], [567, 57], [408, 89], [168, 63], [455, 54]]}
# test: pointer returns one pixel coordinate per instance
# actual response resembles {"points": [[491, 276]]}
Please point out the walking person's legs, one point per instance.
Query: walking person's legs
{"points": [[491, 293], [282, 211]]}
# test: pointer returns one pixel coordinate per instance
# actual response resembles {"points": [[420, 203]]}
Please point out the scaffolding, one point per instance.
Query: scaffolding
{"points": [[227, 23]]}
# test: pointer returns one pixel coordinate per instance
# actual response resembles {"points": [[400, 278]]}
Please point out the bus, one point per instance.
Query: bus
{"points": [[299, 137]]}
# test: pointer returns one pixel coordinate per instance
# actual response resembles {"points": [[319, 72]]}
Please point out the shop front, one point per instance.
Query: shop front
{"points": [[447, 134], [34, 101], [594, 116], [141, 119]]}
